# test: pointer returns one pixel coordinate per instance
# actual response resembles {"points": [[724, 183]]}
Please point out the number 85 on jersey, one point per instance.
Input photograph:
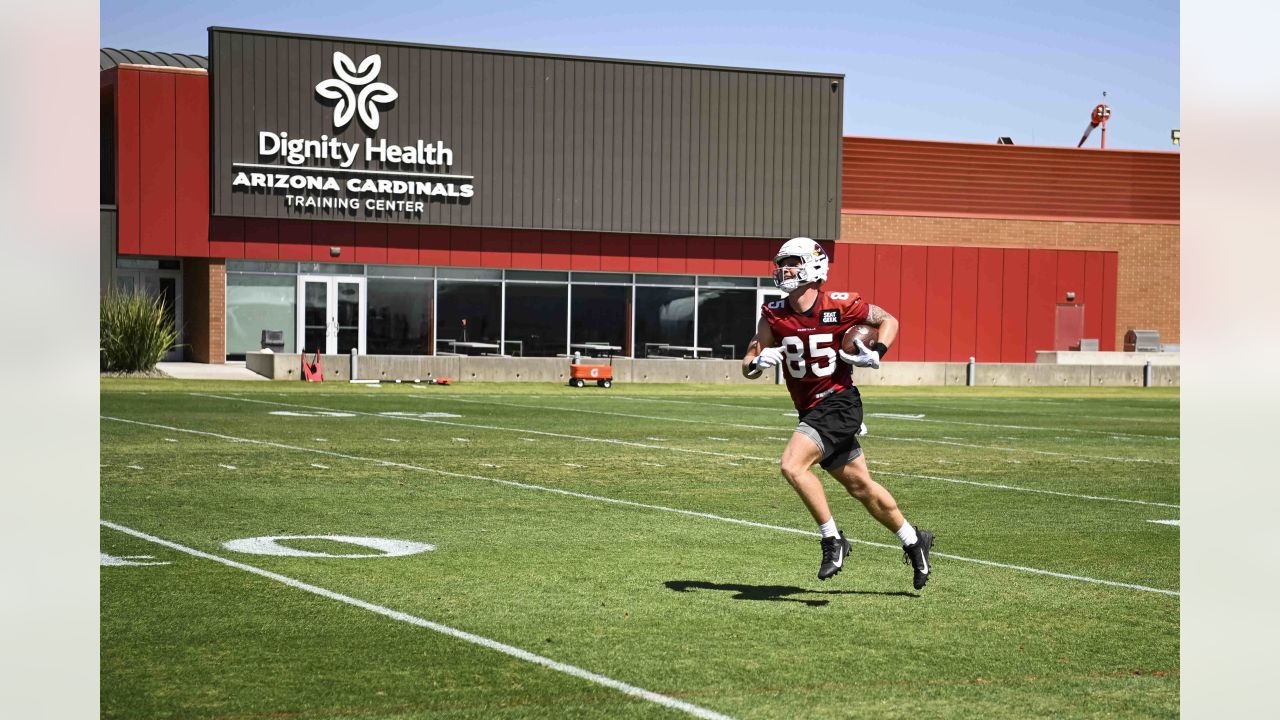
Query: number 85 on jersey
{"points": [[817, 355]]}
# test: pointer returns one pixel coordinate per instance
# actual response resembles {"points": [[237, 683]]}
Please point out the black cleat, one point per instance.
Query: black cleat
{"points": [[834, 551], [918, 557]]}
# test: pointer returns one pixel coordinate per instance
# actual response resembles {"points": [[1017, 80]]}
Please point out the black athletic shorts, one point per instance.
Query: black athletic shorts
{"points": [[833, 426]]}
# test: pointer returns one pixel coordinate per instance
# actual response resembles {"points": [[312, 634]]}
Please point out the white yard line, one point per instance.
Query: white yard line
{"points": [[998, 486], [526, 431], [1049, 453], [943, 422], [513, 651], [628, 503], [995, 486]]}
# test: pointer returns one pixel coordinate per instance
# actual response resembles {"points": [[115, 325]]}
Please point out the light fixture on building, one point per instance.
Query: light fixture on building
{"points": [[1176, 136], [1002, 140], [334, 251], [1071, 296]]}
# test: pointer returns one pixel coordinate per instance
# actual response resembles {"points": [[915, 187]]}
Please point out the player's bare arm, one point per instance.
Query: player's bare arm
{"points": [[887, 324], [762, 339]]}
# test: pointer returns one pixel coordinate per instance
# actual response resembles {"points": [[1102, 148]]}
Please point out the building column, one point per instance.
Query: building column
{"points": [[204, 307]]}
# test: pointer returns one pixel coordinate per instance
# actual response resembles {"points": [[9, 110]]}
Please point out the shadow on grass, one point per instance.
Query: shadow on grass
{"points": [[777, 593]]}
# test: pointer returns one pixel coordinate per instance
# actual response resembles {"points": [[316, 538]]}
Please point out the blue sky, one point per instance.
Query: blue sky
{"points": [[962, 71]]}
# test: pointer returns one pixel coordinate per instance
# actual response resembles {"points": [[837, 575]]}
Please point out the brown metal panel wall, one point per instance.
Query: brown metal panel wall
{"points": [[907, 176], [554, 143]]}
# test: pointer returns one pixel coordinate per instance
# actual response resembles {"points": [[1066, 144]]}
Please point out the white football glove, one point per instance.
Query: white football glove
{"points": [[768, 357], [864, 358]]}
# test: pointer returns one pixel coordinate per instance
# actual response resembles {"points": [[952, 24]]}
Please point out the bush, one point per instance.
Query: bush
{"points": [[135, 331]]}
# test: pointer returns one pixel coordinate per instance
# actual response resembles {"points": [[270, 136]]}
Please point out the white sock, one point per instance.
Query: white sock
{"points": [[907, 534], [828, 529]]}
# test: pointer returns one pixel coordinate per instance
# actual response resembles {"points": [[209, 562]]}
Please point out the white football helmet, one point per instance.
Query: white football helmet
{"points": [[813, 263]]}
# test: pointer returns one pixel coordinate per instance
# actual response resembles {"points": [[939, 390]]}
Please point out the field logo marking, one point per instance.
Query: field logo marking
{"points": [[630, 503], [270, 545], [463, 635]]}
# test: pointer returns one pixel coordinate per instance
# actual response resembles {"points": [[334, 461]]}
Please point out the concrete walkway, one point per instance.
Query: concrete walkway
{"points": [[203, 371]]}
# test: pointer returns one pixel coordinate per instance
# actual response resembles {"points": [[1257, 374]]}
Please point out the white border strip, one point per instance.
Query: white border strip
{"points": [[485, 642], [994, 486], [631, 503]]}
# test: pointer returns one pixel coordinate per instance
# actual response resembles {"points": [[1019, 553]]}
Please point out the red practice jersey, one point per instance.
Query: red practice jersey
{"points": [[811, 341]]}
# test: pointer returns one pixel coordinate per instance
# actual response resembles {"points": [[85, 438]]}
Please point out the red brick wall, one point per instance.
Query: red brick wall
{"points": [[204, 309], [1147, 287]]}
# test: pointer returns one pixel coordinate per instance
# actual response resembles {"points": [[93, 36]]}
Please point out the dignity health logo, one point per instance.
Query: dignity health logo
{"points": [[344, 90]]}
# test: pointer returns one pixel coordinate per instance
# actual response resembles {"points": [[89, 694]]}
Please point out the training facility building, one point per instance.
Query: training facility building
{"points": [[402, 199]]}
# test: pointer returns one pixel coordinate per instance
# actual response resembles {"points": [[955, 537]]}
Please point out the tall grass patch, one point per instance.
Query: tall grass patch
{"points": [[135, 331]]}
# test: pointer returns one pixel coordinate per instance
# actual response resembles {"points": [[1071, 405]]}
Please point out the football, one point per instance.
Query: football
{"points": [[868, 334]]}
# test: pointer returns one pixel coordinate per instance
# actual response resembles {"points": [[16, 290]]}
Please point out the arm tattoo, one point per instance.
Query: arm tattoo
{"points": [[876, 315]]}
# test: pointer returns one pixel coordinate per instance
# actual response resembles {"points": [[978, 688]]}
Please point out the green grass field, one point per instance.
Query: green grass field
{"points": [[630, 553]]}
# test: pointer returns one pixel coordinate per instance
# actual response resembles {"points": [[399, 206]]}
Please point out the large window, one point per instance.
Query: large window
{"points": [[256, 303], [399, 317], [536, 319], [664, 321], [469, 317], [601, 316], [726, 320]]}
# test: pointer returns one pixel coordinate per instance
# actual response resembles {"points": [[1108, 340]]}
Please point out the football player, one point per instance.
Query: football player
{"points": [[802, 334]]}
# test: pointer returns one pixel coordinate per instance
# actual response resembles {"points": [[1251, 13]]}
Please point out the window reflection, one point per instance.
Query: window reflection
{"points": [[399, 317], [469, 317], [664, 321], [536, 319], [601, 314], [726, 321]]}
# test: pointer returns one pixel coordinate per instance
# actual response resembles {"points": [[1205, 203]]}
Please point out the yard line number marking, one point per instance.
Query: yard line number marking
{"points": [[632, 690], [632, 503]]}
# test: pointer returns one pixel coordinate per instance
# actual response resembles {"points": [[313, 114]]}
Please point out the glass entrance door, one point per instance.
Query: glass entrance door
{"points": [[331, 314]]}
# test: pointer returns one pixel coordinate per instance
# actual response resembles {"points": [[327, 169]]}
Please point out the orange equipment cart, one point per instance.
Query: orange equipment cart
{"points": [[580, 374]]}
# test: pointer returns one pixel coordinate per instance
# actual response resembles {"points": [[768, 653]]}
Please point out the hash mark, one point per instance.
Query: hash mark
{"points": [[657, 439], [391, 439], [170, 440], [134, 467], [318, 465], [489, 465], [718, 439], [461, 440], [229, 467], [653, 464], [574, 465]]}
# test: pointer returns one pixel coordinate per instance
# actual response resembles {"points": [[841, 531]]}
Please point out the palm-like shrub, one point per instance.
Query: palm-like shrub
{"points": [[135, 331]]}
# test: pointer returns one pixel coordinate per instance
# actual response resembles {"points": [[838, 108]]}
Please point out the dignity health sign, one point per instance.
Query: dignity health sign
{"points": [[324, 128], [348, 146]]}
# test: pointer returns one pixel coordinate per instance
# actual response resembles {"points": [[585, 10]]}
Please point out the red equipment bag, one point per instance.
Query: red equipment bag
{"points": [[312, 371]]}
